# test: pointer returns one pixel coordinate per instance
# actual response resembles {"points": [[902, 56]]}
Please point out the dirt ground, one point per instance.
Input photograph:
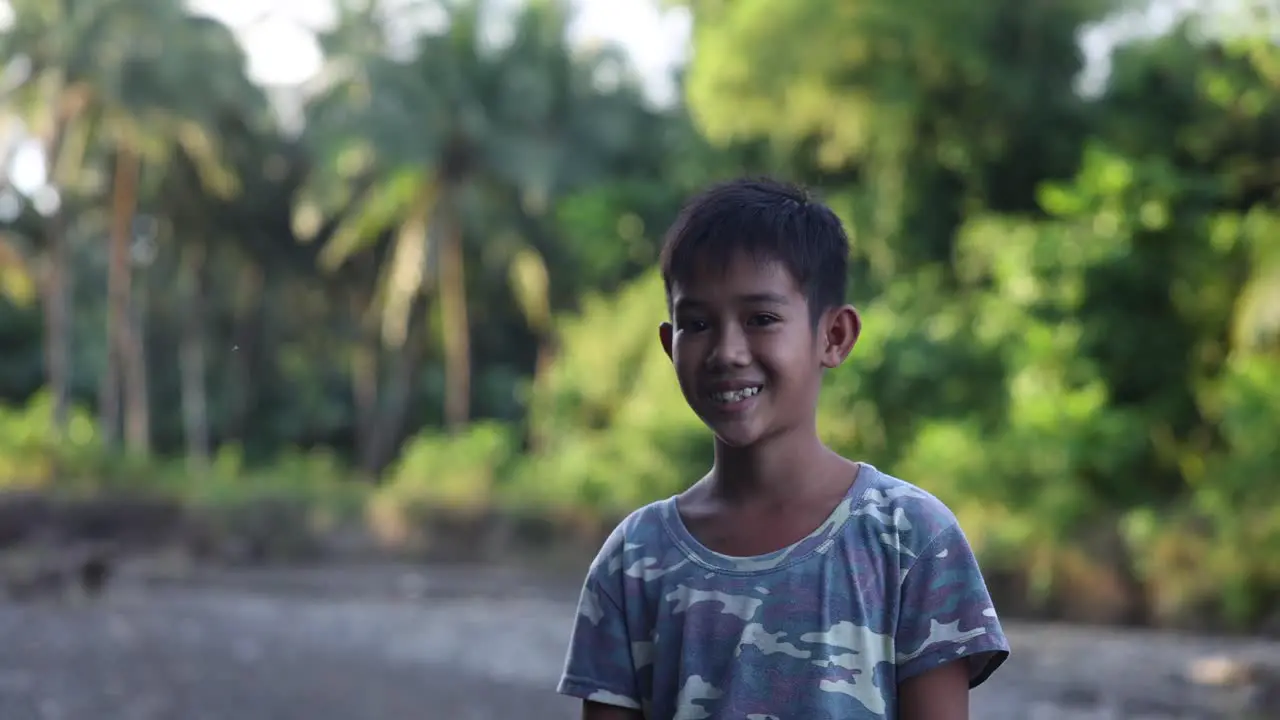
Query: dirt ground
{"points": [[382, 643]]}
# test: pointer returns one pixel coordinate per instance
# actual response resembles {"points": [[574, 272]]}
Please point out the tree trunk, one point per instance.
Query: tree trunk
{"points": [[455, 326], [117, 298], [109, 390], [388, 425], [57, 321], [542, 366], [365, 380], [191, 358], [123, 371], [137, 398], [59, 140], [244, 349]]}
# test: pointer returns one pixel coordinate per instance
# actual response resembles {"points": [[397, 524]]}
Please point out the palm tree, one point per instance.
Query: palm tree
{"points": [[47, 70], [146, 114], [237, 113], [117, 73], [433, 141]]}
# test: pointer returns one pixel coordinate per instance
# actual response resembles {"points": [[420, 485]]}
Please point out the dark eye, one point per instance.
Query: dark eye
{"points": [[763, 320], [691, 325]]}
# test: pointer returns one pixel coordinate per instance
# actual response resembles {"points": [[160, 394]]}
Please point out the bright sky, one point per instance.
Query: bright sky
{"points": [[282, 51], [279, 41], [277, 35]]}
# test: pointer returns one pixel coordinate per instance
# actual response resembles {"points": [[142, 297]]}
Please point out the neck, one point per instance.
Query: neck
{"points": [[772, 468]]}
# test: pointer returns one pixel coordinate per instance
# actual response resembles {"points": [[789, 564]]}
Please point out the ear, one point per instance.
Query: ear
{"points": [[664, 334], [840, 330]]}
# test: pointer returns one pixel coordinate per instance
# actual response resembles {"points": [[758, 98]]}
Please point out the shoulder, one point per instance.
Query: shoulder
{"points": [[942, 609], [902, 516], [641, 534]]}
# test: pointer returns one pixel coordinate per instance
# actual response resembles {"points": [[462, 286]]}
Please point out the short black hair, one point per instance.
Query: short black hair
{"points": [[769, 220]]}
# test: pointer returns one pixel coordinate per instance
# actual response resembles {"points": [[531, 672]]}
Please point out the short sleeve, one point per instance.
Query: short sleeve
{"points": [[946, 613], [599, 665]]}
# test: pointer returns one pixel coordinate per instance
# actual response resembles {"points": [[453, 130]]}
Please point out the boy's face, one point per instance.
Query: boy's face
{"points": [[747, 355]]}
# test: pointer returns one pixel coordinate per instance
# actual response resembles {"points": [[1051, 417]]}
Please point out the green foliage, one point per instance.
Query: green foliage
{"points": [[610, 427], [1235, 493], [462, 470], [461, 474], [279, 512], [33, 454], [1071, 300]]}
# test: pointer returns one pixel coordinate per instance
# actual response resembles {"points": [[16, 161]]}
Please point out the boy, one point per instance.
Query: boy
{"points": [[788, 582]]}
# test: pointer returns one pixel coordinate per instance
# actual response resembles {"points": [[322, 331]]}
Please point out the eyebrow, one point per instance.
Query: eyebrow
{"points": [[748, 299]]}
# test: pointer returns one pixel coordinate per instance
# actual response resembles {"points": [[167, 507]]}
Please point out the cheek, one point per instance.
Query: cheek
{"points": [[681, 355], [790, 357], [685, 364]]}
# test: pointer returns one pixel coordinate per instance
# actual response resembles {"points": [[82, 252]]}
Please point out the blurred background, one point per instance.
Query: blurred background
{"points": [[327, 351]]}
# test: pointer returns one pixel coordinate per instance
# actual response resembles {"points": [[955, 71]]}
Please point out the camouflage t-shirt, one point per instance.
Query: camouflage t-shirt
{"points": [[886, 589]]}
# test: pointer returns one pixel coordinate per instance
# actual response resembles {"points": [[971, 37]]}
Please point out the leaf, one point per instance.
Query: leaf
{"points": [[307, 220], [1257, 319], [531, 285], [1059, 200], [380, 210], [200, 147], [406, 270], [16, 281]]}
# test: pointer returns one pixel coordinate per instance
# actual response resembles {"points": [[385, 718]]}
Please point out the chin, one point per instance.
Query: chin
{"points": [[736, 437]]}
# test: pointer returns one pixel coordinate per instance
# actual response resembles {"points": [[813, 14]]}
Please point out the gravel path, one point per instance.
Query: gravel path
{"points": [[377, 644]]}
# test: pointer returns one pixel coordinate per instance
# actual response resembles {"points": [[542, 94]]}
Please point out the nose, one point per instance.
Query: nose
{"points": [[730, 349]]}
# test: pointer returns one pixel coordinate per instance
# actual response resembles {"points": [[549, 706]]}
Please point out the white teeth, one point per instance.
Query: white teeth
{"points": [[734, 396]]}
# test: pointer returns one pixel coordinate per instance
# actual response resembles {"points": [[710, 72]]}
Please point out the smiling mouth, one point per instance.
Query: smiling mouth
{"points": [[735, 396]]}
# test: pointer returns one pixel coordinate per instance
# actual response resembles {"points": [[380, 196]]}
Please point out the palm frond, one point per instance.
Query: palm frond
{"points": [[384, 208], [406, 272], [17, 281]]}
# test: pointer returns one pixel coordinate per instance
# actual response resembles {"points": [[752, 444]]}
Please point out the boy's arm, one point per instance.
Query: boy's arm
{"points": [[938, 694], [599, 668], [600, 711], [949, 639]]}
